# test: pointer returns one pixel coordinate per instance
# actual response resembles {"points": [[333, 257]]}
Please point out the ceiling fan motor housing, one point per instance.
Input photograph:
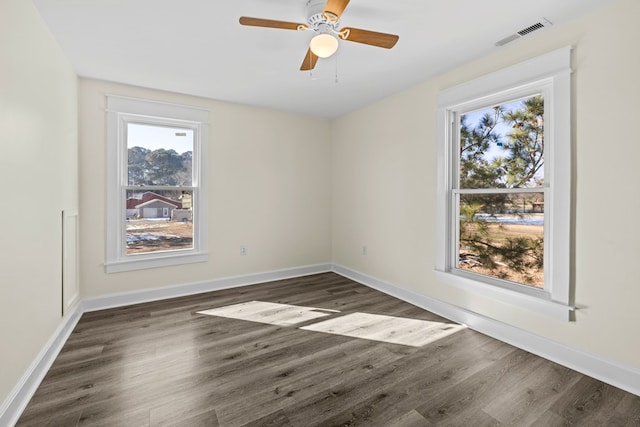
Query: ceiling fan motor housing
{"points": [[315, 7], [316, 18]]}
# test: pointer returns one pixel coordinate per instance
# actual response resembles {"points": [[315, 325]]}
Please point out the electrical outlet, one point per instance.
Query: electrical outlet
{"points": [[243, 250], [364, 250]]}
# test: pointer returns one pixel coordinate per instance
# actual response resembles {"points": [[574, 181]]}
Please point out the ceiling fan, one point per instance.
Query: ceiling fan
{"points": [[323, 19]]}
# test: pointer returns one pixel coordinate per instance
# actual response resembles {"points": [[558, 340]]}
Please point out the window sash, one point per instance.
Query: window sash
{"points": [[127, 119], [454, 248], [155, 188], [159, 187], [516, 190]]}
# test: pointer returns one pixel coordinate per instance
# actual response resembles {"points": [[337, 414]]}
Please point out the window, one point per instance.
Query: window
{"points": [[156, 197], [504, 169]]}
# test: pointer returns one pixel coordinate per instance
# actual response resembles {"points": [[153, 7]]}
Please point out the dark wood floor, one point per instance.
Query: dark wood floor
{"points": [[163, 364]]}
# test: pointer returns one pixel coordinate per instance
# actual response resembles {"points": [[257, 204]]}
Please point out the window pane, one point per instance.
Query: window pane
{"points": [[159, 221], [503, 146], [502, 236], [159, 155]]}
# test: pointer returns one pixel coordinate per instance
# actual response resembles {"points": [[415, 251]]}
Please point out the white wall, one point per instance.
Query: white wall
{"points": [[269, 189], [38, 169], [384, 185]]}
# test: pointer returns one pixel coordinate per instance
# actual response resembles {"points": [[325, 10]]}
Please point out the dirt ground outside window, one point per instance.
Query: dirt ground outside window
{"points": [[147, 235]]}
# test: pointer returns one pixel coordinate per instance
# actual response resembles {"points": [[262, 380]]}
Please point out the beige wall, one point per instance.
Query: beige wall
{"points": [[385, 182], [299, 191], [38, 169], [269, 189]]}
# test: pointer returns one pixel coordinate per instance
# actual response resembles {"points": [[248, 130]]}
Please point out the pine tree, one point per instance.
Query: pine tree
{"points": [[521, 163]]}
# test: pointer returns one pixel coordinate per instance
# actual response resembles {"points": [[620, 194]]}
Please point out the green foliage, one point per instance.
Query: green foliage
{"points": [[475, 170], [523, 147], [136, 165], [525, 143], [484, 244], [158, 167]]}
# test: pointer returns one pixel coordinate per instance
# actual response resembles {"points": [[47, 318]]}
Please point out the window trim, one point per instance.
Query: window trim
{"points": [[549, 74], [120, 111]]}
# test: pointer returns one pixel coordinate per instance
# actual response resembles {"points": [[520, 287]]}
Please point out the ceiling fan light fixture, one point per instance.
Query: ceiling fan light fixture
{"points": [[323, 45]]}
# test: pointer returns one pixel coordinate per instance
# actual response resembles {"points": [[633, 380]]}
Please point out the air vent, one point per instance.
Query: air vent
{"points": [[536, 26], [530, 29]]}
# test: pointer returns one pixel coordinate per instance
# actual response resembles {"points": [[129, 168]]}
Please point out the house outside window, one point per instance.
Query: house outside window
{"points": [[504, 185], [156, 195]]}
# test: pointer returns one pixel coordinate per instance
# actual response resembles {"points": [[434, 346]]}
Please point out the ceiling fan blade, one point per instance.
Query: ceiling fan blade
{"points": [[309, 61], [270, 23], [369, 37], [335, 7]]}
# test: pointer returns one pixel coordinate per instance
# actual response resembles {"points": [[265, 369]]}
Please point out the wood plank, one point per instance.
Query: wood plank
{"points": [[162, 363], [524, 402], [591, 402]]}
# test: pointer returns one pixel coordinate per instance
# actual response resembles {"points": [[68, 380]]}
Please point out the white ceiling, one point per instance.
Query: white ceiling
{"points": [[197, 47]]}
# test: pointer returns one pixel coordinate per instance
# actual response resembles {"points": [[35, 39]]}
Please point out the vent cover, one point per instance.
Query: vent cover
{"points": [[530, 29]]}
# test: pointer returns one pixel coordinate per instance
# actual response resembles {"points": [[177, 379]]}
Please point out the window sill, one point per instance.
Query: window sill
{"points": [[154, 262], [540, 304]]}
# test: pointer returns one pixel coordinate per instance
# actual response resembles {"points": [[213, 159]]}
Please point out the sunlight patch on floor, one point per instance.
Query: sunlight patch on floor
{"points": [[376, 327], [391, 329], [270, 312]]}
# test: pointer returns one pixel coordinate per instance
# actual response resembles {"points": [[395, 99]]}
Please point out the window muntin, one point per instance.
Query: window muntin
{"points": [[501, 236], [502, 146], [156, 202], [158, 220], [159, 155], [498, 229]]}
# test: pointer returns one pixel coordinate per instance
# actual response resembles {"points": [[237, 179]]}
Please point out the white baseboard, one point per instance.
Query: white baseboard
{"points": [[148, 295], [610, 372], [19, 397]]}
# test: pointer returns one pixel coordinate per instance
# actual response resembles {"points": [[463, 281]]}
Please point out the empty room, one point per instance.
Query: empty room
{"points": [[319, 213]]}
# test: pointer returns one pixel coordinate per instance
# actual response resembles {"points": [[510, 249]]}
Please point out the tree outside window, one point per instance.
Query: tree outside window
{"points": [[500, 192]]}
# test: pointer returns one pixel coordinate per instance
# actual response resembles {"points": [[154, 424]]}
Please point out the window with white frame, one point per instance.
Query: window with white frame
{"points": [[504, 172], [156, 195]]}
